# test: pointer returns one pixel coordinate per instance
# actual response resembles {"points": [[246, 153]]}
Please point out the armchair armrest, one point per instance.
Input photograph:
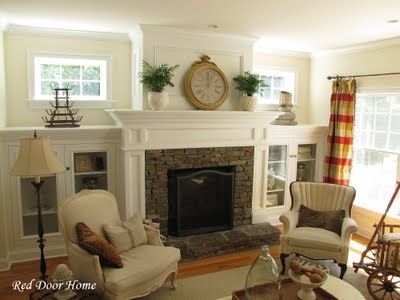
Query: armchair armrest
{"points": [[349, 226], [85, 266], [289, 220], [153, 236]]}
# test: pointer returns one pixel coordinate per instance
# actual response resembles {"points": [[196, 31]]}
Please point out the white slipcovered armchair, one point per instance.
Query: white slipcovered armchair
{"points": [[318, 243], [146, 267]]}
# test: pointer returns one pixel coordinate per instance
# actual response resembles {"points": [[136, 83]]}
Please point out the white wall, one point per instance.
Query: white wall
{"points": [[171, 46], [3, 115], [299, 64], [378, 60], [17, 45]]}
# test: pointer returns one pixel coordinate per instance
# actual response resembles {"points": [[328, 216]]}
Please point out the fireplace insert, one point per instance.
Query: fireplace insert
{"points": [[200, 200]]}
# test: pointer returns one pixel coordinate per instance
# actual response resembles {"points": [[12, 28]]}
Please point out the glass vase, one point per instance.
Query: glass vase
{"points": [[263, 281]]}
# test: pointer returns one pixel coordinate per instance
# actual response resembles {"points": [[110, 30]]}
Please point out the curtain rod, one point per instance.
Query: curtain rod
{"points": [[365, 75]]}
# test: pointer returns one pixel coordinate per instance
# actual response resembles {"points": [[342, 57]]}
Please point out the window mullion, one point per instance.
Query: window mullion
{"points": [[389, 122]]}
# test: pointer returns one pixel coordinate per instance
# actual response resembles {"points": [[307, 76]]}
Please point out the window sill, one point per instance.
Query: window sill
{"points": [[86, 104]]}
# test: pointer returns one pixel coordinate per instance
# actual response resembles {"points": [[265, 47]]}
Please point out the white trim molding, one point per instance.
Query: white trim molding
{"points": [[5, 264], [81, 34], [356, 48], [197, 32]]}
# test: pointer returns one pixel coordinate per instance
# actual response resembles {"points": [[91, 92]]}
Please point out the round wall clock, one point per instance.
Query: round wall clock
{"points": [[206, 85]]}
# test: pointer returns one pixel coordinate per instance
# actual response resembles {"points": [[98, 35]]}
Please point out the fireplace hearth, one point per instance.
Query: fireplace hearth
{"points": [[200, 200]]}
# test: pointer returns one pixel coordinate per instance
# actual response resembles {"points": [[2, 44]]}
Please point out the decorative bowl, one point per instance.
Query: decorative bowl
{"points": [[306, 286]]}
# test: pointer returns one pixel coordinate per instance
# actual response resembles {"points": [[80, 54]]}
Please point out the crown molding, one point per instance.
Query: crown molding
{"points": [[273, 51], [197, 32], [356, 48], [95, 35]]}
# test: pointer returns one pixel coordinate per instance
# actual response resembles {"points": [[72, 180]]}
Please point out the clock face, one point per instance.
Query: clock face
{"points": [[208, 85]]}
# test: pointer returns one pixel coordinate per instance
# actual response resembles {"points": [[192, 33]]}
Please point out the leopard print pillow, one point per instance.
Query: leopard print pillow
{"points": [[95, 244]]}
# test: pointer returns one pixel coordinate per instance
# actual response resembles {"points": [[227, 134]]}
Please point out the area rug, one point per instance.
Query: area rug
{"points": [[216, 285]]}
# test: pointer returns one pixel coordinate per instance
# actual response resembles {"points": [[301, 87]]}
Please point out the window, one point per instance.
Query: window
{"points": [[277, 80], [86, 77], [376, 144]]}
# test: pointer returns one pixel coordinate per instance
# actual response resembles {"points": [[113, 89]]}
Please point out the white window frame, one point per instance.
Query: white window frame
{"points": [[263, 69], [378, 92], [39, 102]]}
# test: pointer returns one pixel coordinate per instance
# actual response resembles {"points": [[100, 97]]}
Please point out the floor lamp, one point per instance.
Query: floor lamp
{"points": [[35, 159]]}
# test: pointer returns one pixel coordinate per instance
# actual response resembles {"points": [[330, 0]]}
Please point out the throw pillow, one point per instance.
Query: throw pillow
{"points": [[136, 229], [95, 244], [329, 220], [119, 237]]}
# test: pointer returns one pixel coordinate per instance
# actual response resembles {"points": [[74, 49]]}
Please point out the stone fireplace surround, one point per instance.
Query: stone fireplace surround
{"points": [[158, 162]]}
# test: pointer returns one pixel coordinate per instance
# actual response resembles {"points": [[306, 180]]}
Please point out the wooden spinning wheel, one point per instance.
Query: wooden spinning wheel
{"points": [[384, 283]]}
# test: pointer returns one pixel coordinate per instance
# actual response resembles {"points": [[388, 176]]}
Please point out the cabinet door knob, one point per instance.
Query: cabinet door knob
{"points": [[68, 168]]}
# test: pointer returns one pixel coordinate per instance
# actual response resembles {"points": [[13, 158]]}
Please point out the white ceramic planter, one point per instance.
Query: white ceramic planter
{"points": [[158, 101], [248, 103]]}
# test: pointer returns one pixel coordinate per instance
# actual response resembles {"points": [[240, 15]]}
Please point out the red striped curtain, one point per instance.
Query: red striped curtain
{"points": [[338, 161]]}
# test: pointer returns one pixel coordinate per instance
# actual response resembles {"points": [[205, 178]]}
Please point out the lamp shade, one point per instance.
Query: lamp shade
{"points": [[36, 158]]}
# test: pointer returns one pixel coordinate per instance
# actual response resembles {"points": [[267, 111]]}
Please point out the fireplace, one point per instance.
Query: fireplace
{"points": [[200, 200], [159, 165]]}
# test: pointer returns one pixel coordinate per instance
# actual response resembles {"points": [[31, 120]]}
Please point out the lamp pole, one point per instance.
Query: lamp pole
{"points": [[37, 183]]}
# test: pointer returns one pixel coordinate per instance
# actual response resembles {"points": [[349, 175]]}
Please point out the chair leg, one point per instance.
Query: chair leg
{"points": [[283, 262], [173, 277], [343, 268]]}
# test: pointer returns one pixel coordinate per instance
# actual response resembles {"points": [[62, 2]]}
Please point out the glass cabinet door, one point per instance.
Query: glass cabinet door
{"points": [[306, 160], [276, 182], [90, 170], [48, 197]]}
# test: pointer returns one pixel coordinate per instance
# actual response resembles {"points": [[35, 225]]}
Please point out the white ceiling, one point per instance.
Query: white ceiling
{"points": [[302, 25]]}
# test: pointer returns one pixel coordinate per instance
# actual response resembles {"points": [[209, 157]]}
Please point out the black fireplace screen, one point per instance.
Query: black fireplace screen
{"points": [[200, 200]]}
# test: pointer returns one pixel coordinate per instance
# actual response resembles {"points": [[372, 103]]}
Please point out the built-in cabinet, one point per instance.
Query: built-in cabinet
{"points": [[90, 160], [292, 153]]}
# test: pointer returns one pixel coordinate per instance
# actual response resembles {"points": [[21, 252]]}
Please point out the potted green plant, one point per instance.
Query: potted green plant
{"points": [[250, 84], [155, 79]]}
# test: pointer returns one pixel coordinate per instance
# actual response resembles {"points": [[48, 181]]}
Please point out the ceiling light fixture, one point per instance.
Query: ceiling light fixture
{"points": [[213, 26], [392, 21]]}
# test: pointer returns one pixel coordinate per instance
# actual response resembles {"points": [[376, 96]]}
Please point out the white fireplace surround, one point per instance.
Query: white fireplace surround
{"points": [[143, 130]]}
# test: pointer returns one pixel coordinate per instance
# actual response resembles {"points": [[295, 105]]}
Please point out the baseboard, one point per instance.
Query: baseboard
{"points": [[28, 254], [5, 264]]}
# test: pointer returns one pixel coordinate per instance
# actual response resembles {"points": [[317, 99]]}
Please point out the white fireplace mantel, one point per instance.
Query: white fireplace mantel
{"points": [[184, 129], [145, 130]]}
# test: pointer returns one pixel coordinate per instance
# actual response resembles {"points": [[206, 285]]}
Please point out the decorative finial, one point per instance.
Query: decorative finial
{"points": [[35, 134], [205, 58]]}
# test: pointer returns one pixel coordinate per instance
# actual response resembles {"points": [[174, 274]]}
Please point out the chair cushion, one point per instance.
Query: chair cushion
{"points": [[136, 229], [329, 220], [95, 244], [316, 238], [143, 265], [119, 236]]}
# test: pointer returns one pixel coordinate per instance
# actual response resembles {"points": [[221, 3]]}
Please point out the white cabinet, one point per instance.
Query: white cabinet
{"points": [[96, 148], [90, 166], [292, 153]]}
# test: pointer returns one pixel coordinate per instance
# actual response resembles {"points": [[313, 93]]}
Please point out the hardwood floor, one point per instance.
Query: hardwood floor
{"points": [[25, 271]]}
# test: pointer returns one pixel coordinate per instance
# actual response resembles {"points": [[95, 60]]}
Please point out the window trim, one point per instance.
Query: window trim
{"points": [[79, 103], [379, 92], [273, 106]]}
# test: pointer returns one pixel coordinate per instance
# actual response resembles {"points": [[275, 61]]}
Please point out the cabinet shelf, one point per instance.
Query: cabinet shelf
{"points": [[275, 191], [29, 212], [305, 159], [91, 173], [277, 161]]}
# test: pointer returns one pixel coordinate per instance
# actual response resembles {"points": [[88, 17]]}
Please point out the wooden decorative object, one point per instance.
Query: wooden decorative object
{"points": [[62, 115], [206, 85]]}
